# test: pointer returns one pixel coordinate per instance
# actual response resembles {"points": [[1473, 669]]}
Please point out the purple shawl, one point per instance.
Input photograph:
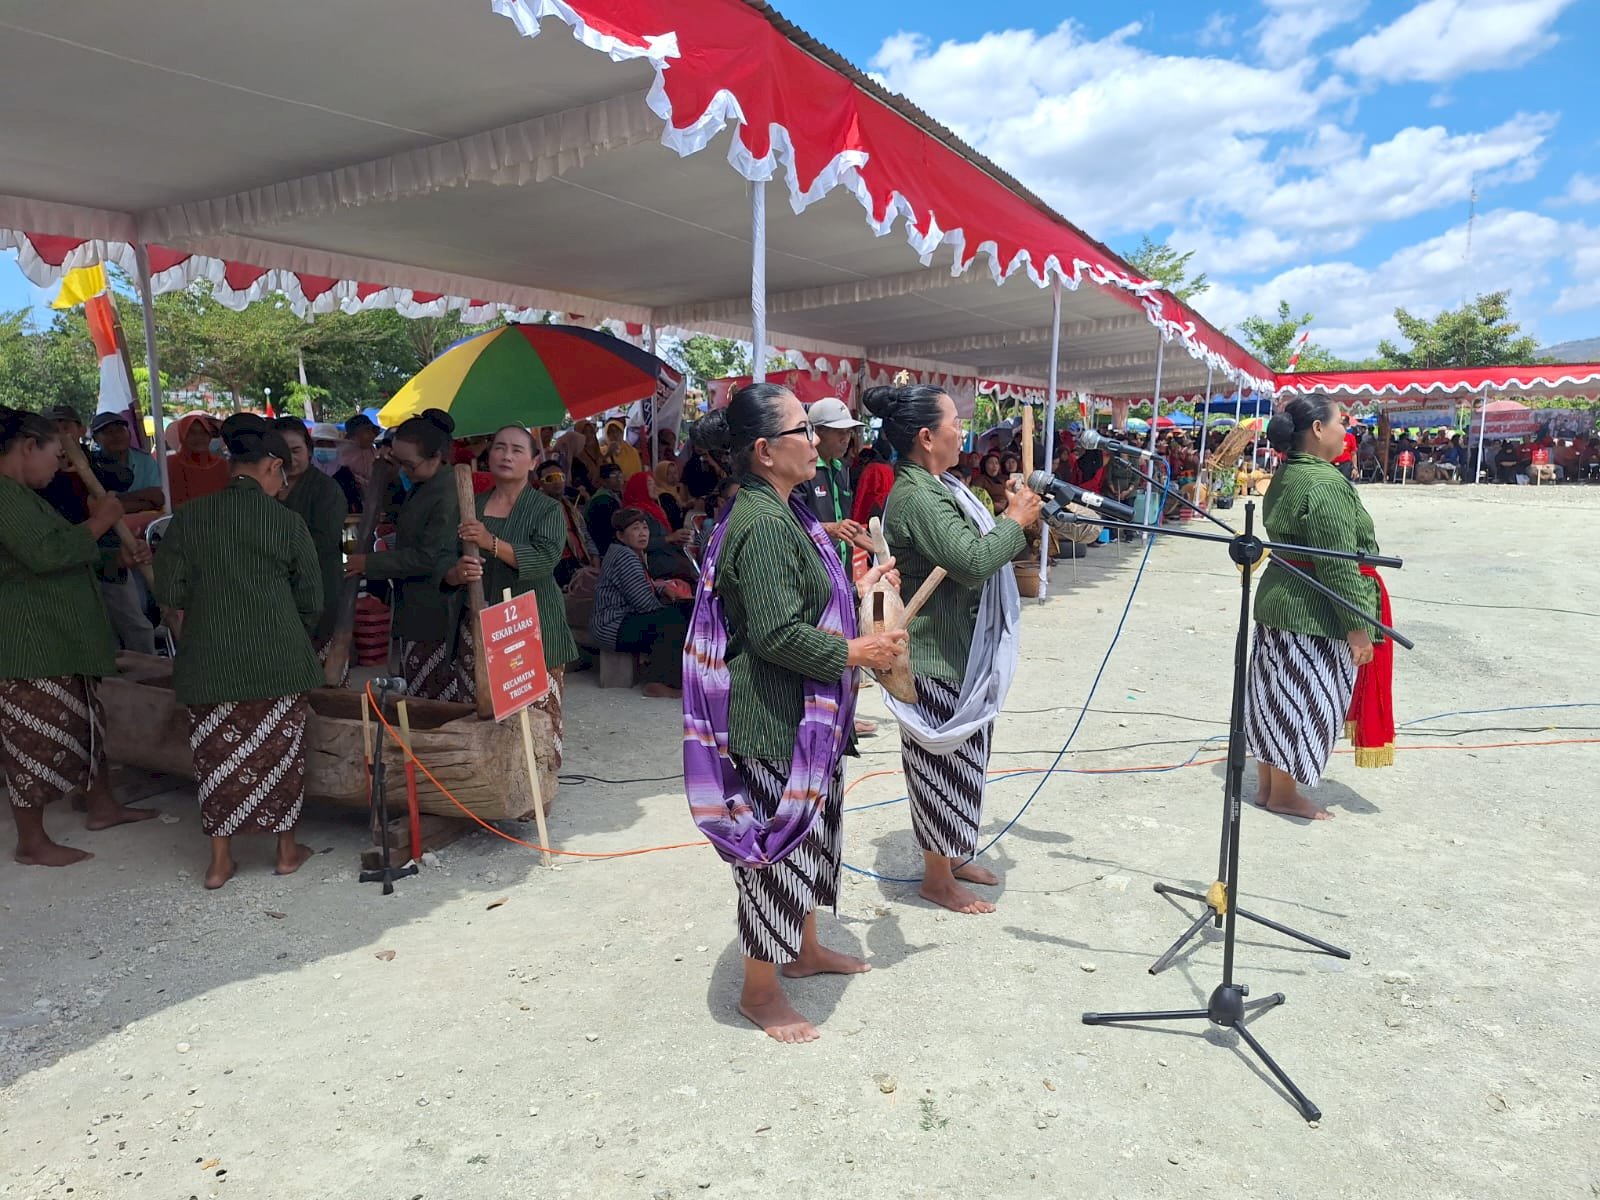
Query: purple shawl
{"points": [[718, 798]]}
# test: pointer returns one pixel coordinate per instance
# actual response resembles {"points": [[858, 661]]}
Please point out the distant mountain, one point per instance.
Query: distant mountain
{"points": [[1584, 350]]}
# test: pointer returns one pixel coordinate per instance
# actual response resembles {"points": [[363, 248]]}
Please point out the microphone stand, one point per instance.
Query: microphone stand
{"points": [[1227, 1006], [385, 874], [1216, 897]]}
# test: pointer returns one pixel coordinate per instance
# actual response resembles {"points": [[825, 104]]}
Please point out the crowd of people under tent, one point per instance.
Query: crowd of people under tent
{"points": [[602, 522]]}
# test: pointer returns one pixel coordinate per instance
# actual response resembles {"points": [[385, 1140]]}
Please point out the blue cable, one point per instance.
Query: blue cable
{"points": [[1056, 768], [1060, 754]]}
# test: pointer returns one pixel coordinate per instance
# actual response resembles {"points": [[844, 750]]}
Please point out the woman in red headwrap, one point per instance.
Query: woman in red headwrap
{"points": [[665, 555], [194, 470]]}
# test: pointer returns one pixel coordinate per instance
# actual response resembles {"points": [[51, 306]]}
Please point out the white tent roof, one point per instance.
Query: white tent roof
{"points": [[428, 155]]}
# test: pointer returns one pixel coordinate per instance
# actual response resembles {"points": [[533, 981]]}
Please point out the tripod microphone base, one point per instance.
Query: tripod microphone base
{"points": [[387, 876], [1228, 1009], [1214, 913]]}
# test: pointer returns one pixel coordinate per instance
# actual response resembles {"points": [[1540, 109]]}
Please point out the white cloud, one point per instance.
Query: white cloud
{"points": [[1291, 27], [1581, 189], [1440, 40], [1217, 31], [1257, 169], [1415, 171], [1355, 305], [1123, 141]]}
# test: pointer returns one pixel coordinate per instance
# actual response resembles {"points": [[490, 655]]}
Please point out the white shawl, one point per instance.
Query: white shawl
{"points": [[992, 660]]}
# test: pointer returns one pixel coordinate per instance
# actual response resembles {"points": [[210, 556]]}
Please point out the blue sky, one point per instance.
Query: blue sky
{"points": [[1318, 151]]}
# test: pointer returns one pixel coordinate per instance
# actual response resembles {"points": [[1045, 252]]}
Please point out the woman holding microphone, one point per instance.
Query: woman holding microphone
{"points": [[963, 643]]}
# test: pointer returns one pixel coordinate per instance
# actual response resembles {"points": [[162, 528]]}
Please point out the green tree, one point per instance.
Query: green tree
{"points": [[1478, 334], [707, 358], [1159, 261], [41, 367], [1272, 341]]}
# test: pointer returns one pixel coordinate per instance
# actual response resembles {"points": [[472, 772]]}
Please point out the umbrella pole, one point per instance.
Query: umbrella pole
{"points": [[758, 281], [1205, 422], [1050, 431]]}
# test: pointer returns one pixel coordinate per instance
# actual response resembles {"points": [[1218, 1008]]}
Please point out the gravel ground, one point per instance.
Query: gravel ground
{"points": [[496, 1028]]}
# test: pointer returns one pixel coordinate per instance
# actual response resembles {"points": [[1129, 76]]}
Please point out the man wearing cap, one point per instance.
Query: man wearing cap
{"points": [[136, 480], [131, 473], [829, 494]]}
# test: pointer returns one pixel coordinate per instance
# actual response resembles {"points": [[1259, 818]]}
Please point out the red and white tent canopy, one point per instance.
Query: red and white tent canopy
{"points": [[1449, 383], [503, 155]]}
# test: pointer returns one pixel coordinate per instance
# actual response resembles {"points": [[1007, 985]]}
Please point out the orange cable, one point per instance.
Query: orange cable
{"points": [[1198, 762]]}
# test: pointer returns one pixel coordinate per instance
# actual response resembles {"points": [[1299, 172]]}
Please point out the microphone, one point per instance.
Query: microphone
{"points": [[1089, 439], [1047, 484], [389, 684]]}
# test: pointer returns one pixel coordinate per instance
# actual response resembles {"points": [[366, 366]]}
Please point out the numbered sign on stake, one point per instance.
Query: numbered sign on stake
{"points": [[514, 654]]}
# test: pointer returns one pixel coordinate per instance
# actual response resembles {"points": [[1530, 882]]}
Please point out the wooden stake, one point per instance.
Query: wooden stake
{"points": [[1027, 440], [411, 781], [467, 502], [80, 466], [533, 772]]}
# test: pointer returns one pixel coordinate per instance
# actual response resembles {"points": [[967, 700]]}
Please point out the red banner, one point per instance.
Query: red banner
{"points": [[514, 654]]}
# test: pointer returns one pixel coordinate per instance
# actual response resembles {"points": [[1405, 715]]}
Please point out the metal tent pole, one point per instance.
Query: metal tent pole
{"points": [[141, 256], [1050, 431], [1155, 415], [1205, 420], [758, 280], [1483, 430]]}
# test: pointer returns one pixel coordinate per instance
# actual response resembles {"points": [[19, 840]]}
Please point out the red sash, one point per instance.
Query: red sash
{"points": [[1369, 724]]}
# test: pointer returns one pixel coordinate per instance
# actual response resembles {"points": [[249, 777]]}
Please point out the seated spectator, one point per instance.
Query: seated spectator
{"points": [[991, 481], [194, 469], [700, 475], [665, 555], [578, 551], [1507, 463], [136, 479], [670, 494], [636, 614], [358, 451], [602, 506]]}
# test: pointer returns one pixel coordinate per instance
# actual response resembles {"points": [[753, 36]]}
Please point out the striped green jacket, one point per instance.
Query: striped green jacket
{"points": [[242, 568], [320, 502], [537, 531], [773, 588], [1311, 504], [50, 606], [925, 528], [426, 546]]}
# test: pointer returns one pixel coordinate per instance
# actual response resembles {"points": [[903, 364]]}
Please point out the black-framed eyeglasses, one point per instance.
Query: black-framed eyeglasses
{"points": [[811, 434]]}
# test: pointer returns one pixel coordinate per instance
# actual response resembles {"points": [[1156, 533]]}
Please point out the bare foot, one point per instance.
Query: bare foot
{"points": [[866, 728], [217, 876], [49, 854], [953, 896], [121, 814], [778, 1019], [1297, 806], [823, 961], [973, 873], [660, 691], [288, 866]]}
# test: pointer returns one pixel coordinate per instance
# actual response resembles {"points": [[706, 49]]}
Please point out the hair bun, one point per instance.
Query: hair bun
{"points": [[712, 432], [881, 401], [438, 416], [1280, 432]]}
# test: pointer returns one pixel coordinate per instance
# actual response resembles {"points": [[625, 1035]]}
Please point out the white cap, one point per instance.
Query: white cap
{"points": [[831, 413], [324, 432]]}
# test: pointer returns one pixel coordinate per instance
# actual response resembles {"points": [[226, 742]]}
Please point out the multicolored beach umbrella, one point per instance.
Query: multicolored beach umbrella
{"points": [[527, 375]]}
